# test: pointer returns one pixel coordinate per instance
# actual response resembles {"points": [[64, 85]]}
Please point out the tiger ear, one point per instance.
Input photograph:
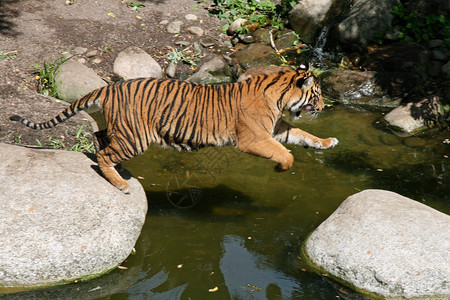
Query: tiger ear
{"points": [[305, 83], [303, 67]]}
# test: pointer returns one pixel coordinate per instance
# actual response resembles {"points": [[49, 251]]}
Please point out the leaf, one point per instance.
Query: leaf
{"points": [[213, 290]]}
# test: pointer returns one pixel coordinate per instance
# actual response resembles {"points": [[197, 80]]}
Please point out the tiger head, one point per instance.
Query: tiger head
{"points": [[306, 94]]}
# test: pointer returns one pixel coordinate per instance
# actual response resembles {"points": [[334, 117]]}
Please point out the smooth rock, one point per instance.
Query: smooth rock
{"points": [[308, 17], [384, 89], [235, 25], [446, 70], [79, 50], [413, 117], [134, 62], [257, 55], [365, 19], [76, 80], [174, 27], [383, 243], [91, 53], [171, 70], [196, 30], [214, 71], [61, 220], [191, 17]]}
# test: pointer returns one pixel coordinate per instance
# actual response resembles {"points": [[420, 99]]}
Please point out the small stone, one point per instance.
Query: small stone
{"points": [[79, 50], [183, 43], [134, 62], [439, 55], [198, 47], [191, 17], [164, 22], [174, 27], [235, 25], [435, 43], [82, 60], [196, 30], [207, 42], [96, 60], [171, 70], [91, 53]]}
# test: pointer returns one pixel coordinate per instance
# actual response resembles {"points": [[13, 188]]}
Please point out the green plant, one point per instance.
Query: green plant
{"points": [[56, 143], [47, 77], [417, 28], [135, 5], [254, 11], [18, 139], [185, 56], [84, 144], [8, 55]]}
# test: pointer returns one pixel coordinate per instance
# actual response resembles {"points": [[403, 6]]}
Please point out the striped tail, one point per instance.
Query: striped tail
{"points": [[81, 104]]}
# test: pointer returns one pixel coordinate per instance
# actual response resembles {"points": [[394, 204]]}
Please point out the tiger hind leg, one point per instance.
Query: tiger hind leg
{"points": [[101, 140], [107, 159]]}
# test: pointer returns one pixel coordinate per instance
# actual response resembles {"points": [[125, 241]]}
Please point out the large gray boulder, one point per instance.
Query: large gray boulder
{"points": [[365, 19], [308, 17], [62, 221], [133, 62], [383, 243], [75, 80]]}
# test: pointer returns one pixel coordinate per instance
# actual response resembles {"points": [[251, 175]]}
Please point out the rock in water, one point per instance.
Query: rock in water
{"points": [[383, 243], [61, 220]]}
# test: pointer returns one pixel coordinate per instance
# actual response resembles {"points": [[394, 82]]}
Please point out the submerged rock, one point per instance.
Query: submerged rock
{"points": [[383, 243], [62, 221]]}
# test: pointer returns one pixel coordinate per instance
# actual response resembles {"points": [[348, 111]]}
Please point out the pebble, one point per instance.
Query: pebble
{"points": [[164, 22], [183, 43], [91, 53], [191, 17], [96, 60], [79, 50], [171, 70], [174, 27], [207, 42], [196, 30]]}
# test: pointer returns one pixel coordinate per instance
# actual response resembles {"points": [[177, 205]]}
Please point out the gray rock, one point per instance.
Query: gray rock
{"points": [[446, 70], [214, 71], [191, 17], [76, 80], [310, 17], [439, 55], [91, 53], [174, 27], [256, 55], [235, 25], [386, 244], [79, 50], [171, 70], [61, 220], [134, 62], [413, 117], [365, 19], [196, 30], [366, 88]]}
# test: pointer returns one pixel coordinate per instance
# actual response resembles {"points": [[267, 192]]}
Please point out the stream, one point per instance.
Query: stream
{"points": [[224, 225]]}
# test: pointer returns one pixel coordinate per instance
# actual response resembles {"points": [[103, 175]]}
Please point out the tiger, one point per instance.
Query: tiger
{"points": [[187, 116]]}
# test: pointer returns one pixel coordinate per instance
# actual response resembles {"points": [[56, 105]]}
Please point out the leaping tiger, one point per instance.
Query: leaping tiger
{"points": [[186, 116]]}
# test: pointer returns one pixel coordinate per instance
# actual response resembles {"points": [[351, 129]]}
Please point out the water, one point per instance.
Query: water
{"points": [[223, 225]]}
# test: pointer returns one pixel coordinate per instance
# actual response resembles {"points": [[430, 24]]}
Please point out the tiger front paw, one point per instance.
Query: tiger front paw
{"points": [[330, 143]]}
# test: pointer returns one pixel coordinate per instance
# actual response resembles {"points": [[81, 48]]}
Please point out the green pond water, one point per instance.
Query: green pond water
{"points": [[224, 225]]}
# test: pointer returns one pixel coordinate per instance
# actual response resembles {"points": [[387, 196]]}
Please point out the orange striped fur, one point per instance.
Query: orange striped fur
{"points": [[186, 116]]}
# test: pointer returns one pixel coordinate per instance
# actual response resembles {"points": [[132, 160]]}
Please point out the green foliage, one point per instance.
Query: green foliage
{"points": [[47, 77], [254, 11], [417, 28], [185, 56], [8, 55], [135, 5], [84, 142]]}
